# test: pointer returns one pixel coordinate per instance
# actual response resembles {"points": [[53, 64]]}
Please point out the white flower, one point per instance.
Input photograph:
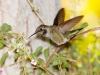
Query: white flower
{"points": [[19, 45], [27, 40], [34, 62]]}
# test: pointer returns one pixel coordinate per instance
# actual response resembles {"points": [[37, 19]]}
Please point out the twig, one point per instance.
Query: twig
{"points": [[36, 12], [47, 70], [55, 51], [71, 60], [92, 29]]}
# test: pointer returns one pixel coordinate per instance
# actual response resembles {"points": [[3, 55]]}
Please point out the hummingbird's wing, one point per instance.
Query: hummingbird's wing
{"points": [[59, 17], [72, 33], [67, 25]]}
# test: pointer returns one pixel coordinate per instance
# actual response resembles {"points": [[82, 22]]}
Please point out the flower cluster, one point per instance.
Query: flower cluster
{"points": [[0, 72]]}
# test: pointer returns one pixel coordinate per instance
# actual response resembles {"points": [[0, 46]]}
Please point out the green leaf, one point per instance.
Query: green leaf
{"points": [[38, 50], [65, 65], [3, 41], [64, 62], [3, 58], [1, 44], [63, 59], [54, 58], [33, 55], [40, 61], [9, 35], [5, 27], [85, 24], [46, 53], [18, 40], [16, 56], [55, 63]]}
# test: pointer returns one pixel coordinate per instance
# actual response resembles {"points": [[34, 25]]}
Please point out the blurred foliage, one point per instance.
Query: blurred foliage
{"points": [[86, 51], [80, 56], [4, 34]]}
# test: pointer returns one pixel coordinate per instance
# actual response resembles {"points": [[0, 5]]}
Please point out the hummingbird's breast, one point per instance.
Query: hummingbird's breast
{"points": [[57, 37]]}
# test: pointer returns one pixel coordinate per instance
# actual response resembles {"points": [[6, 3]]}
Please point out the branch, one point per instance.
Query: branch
{"points": [[46, 70], [36, 12], [55, 51], [92, 29]]}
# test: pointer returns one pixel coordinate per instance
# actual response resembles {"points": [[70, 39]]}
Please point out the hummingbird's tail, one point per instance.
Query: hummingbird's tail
{"points": [[73, 33]]}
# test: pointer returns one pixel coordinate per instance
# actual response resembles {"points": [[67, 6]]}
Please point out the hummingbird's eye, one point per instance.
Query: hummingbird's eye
{"points": [[41, 29], [44, 32]]}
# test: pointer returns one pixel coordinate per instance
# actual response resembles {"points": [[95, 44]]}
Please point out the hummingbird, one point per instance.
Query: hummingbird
{"points": [[60, 32]]}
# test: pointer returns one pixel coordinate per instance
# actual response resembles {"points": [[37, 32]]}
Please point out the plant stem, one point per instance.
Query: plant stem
{"points": [[92, 29], [47, 70], [36, 12], [55, 51]]}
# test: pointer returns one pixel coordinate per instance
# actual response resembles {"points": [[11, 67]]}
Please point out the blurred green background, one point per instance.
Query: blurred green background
{"points": [[85, 49]]}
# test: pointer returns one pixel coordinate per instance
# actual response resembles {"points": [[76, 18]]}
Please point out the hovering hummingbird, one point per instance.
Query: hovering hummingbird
{"points": [[60, 32]]}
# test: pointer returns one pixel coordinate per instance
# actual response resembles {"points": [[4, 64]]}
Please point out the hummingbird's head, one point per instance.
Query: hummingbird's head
{"points": [[42, 30]]}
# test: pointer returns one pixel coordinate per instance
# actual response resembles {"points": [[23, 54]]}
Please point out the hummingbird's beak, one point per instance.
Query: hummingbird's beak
{"points": [[34, 33]]}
